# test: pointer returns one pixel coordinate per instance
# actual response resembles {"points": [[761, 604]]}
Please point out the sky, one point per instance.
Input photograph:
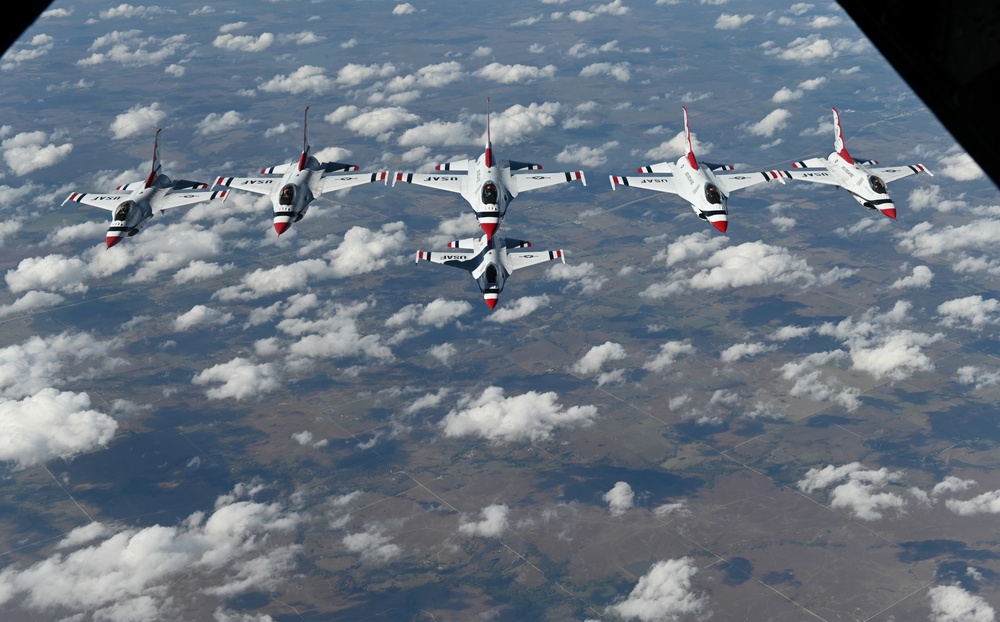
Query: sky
{"points": [[210, 422]]}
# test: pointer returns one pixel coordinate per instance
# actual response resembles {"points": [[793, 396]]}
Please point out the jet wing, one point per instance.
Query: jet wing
{"points": [[522, 259], [104, 201], [184, 199], [661, 183], [442, 181], [737, 181], [131, 186], [260, 185], [464, 259], [532, 181], [340, 182], [819, 175], [660, 167], [280, 169], [892, 173]]}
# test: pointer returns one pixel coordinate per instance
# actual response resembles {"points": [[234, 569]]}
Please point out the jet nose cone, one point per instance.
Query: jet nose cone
{"points": [[489, 228], [281, 227], [890, 212], [721, 225], [491, 302], [111, 240]]}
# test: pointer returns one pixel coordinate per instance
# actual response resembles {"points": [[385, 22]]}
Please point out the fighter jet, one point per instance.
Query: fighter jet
{"points": [[705, 186], [490, 259], [132, 204], [300, 183], [866, 183], [486, 183]]}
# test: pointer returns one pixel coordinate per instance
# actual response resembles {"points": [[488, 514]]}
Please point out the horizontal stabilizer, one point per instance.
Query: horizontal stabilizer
{"points": [[524, 166]]}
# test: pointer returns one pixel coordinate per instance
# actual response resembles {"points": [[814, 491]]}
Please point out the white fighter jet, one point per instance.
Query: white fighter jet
{"points": [[132, 204], [488, 184], [300, 183], [705, 186], [866, 183], [490, 260]]}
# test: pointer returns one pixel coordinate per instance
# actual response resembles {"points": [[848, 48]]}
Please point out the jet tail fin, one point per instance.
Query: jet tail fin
{"points": [[155, 171], [304, 158], [489, 143], [838, 140], [687, 132]]}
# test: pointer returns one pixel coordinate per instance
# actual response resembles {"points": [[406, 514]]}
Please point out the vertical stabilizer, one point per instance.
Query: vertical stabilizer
{"points": [[687, 132], [838, 140], [489, 143], [155, 171], [304, 158]]}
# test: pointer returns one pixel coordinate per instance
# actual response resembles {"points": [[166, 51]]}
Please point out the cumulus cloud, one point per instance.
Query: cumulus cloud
{"points": [[372, 545], [582, 276], [859, 494], [239, 379], [972, 374], [131, 49], [586, 156], [520, 308], [443, 352], [403, 9], [730, 21], [492, 522], [511, 74], [951, 603], [744, 350], [921, 277], [200, 315], [809, 382], [986, 503], [436, 313], [959, 166], [353, 74], [596, 357], [619, 71], [138, 119], [973, 312], [669, 353], [619, 498], [215, 123], [51, 424], [243, 43], [663, 593], [30, 151], [529, 417], [24, 51], [775, 120], [128, 573], [306, 78], [378, 122]]}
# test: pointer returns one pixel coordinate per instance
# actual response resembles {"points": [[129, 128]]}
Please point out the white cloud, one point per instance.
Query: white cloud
{"points": [[774, 121], [372, 545], [404, 9], [306, 78], [952, 484], [730, 21], [128, 574], [527, 417], [353, 74], [520, 308], [200, 315], [511, 74], [669, 353], [951, 603], [596, 357], [51, 424], [986, 503], [619, 498], [138, 119], [743, 350], [215, 123], [972, 312], [436, 313], [29, 302], [582, 276], [129, 48], [443, 352], [586, 156], [959, 166], [618, 71], [921, 277], [971, 374], [859, 494], [51, 272], [27, 152], [378, 122], [243, 43], [239, 379], [492, 523], [663, 593]]}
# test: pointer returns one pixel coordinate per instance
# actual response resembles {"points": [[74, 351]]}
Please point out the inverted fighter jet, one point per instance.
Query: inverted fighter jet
{"points": [[299, 183], [866, 183], [490, 260], [486, 183], [132, 205], [705, 186]]}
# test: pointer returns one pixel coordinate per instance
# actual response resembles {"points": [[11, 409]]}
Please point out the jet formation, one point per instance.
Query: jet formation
{"points": [[489, 185]]}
